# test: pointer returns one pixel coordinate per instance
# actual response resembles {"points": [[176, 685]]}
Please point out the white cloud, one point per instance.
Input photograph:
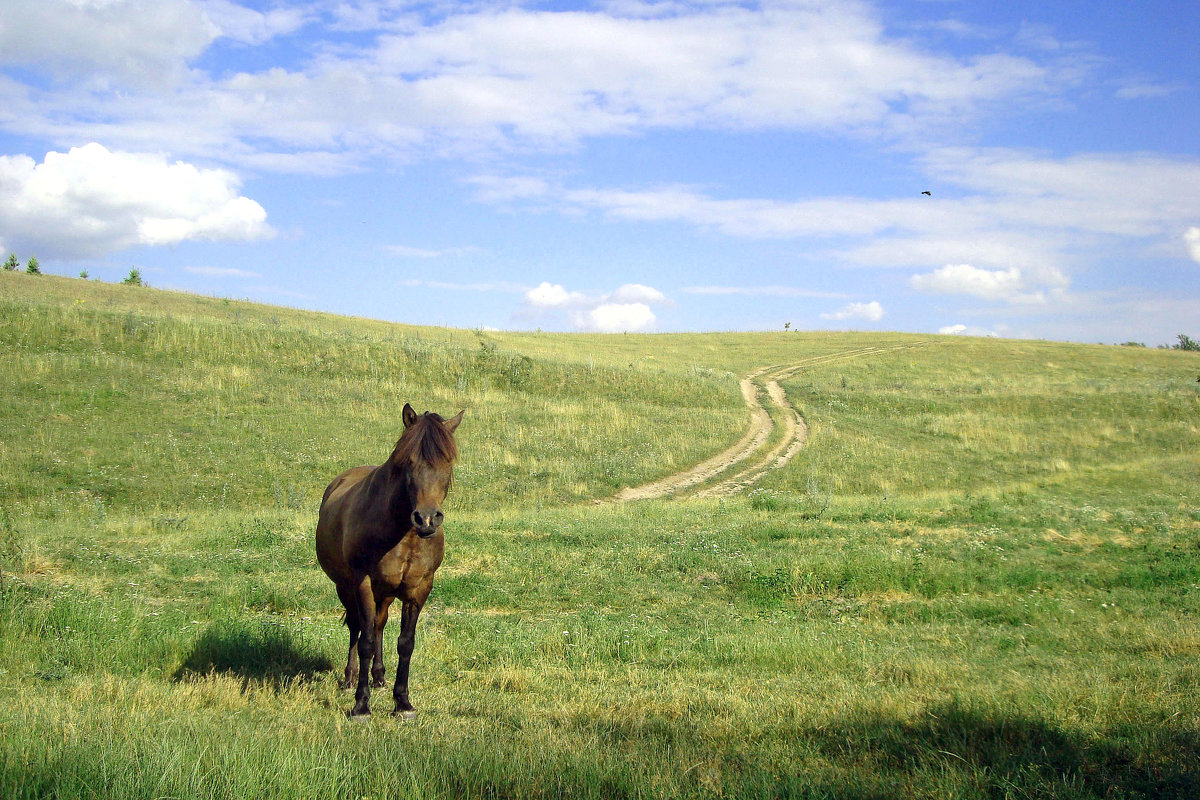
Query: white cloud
{"points": [[476, 78], [561, 75], [964, 330], [548, 295], [637, 293], [989, 284], [1146, 89], [872, 311], [1107, 194], [750, 218], [1011, 225], [963, 239], [1191, 238], [90, 201], [614, 318], [138, 42], [625, 309], [1018, 210], [499, 189], [247, 26]]}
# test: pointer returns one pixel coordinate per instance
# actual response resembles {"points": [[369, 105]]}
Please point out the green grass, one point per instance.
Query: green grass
{"points": [[981, 579], [165, 407]]}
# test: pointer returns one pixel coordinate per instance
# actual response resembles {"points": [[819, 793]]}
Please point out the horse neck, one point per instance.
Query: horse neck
{"points": [[387, 499]]}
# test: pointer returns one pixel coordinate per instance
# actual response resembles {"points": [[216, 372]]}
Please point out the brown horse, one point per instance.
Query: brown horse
{"points": [[379, 537]]}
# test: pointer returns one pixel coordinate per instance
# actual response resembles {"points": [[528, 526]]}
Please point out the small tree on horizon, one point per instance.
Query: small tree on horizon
{"points": [[33, 267], [1186, 343], [12, 263], [134, 278]]}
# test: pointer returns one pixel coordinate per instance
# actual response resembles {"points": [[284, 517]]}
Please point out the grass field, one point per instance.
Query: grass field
{"points": [[980, 579]]}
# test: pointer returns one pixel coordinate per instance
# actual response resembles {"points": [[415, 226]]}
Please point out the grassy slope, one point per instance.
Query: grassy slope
{"points": [[981, 579]]}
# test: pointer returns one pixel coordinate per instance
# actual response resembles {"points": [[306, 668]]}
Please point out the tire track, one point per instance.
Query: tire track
{"points": [[751, 450], [758, 432]]}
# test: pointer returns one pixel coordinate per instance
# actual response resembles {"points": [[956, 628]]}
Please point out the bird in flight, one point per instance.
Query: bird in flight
{"points": [[927, 194]]}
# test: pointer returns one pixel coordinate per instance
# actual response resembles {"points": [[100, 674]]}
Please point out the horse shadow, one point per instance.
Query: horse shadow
{"points": [[261, 652]]}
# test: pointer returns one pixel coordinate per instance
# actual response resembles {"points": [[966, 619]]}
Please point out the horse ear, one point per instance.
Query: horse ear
{"points": [[452, 423], [409, 415]]}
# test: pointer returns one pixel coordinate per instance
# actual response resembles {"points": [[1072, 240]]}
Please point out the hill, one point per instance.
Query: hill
{"points": [[979, 577]]}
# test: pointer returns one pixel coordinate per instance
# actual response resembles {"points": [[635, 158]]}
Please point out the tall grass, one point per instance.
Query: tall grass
{"points": [[980, 580], [151, 410], [985, 416]]}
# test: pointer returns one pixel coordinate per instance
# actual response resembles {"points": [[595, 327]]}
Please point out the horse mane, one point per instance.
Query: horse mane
{"points": [[427, 439]]}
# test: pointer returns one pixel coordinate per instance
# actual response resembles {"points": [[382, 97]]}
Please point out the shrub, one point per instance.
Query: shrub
{"points": [[33, 268], [1186, 343], [12, 263]]}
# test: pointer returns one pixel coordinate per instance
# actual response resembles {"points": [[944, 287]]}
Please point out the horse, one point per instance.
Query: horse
{"points": [[379, 536]]}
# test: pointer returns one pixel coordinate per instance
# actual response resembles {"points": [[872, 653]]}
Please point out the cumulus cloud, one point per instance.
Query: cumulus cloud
{"points": [[964, 330], [90, 202], [548, 295], [1191, 238], [966, 279], [614, 318], [625, 309], [872, 311], [989, 284]]}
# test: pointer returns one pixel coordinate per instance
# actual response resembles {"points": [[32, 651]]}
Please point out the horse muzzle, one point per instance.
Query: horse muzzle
{"points": [[426, 524]]}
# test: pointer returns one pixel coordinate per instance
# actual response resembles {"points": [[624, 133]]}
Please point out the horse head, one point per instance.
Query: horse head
{"points": [[425, 455]]}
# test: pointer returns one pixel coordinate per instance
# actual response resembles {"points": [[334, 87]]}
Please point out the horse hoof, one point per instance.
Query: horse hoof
{"points": [[360, 716], [379, 683], [407, 716]]}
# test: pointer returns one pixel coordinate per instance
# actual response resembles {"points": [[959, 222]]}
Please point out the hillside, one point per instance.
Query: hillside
{"points": [[147, 399], [979, 576], [116, 386]]}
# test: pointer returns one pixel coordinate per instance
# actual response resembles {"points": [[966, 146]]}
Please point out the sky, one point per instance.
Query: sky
{"points": [[1016, 169]]}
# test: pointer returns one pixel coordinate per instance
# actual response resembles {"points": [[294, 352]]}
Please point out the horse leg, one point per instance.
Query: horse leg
{"points": [[354, 625], [404, 648], [366, 648], [381, 618]]}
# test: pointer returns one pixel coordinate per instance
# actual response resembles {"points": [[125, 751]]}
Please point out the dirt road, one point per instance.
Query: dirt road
{"points": [[754, 455]]}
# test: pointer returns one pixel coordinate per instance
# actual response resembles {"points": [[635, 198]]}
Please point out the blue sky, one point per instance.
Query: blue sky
{"points": [[621, 166]]}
